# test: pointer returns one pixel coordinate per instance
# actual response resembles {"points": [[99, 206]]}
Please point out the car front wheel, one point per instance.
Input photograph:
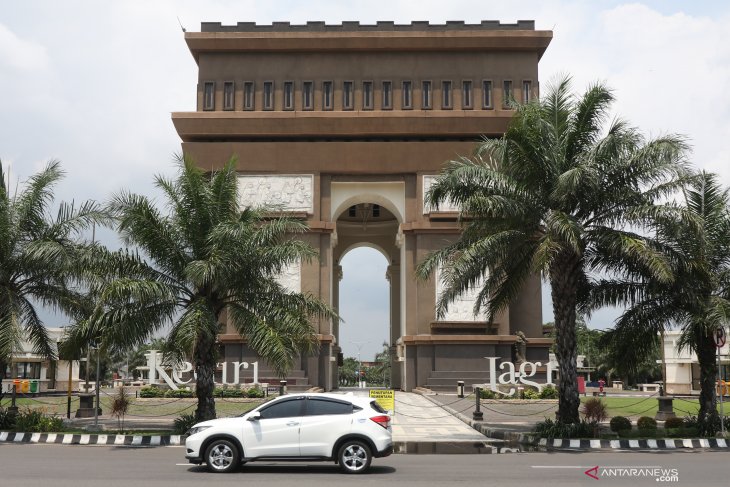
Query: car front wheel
{"points": [[354, 457], [222, 456]]}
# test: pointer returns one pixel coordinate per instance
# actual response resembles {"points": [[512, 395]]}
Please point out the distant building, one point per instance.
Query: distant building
{"points": [[683, 368], [51, 375]]}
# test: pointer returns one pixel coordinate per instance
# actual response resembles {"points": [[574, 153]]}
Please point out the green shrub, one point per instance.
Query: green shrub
{"points": [[549, 392], [151, 392], [620, 423], [7, 419], [487, 394], [255, 392], [35, 421], [531, 394], [182, 424], [646, 423], [556, 429], [709, 427], [226, 392], [673, 423], [179, 393], [594, 410]]}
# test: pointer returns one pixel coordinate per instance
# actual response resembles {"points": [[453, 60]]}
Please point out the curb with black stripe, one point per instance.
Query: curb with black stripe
{"points": [[658, 444], [568, 444], [91, 439]]}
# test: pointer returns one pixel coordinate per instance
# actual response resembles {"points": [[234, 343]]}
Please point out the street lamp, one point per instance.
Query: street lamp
{"points": [[359, 346]]}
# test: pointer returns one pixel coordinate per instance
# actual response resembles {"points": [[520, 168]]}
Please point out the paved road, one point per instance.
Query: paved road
{"points": [[81, 466]]}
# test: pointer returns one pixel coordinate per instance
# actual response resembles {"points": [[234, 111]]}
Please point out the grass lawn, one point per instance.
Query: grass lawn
{"points": [[142, 408], [647, 406]]}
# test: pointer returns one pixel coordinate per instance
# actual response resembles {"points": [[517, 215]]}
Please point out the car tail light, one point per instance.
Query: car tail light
{"points": [[383, 421]]}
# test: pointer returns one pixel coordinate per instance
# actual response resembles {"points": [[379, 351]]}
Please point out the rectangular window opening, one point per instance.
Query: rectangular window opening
{"points": [[487, 94], [387, 95], [466, 95], [288, 95], [526, 91], [268, 95], [327, 95], [248, 95], [308, 95], [446, 95], [367, 95], [209, 95], [426, 95], [228, 92], [407, 95], [347, 95], [507, 95]]}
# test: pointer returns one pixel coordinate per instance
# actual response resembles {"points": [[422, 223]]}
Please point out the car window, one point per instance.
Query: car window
{"points": [[316, 407], [283, 409], [377, 407]]}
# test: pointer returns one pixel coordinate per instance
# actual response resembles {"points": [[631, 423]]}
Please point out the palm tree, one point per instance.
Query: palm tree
{"points": [[555, 196], [206, 261], [697, 300], [36, 252]]}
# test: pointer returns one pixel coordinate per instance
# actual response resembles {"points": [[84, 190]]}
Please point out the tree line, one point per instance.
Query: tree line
{"points": [[605, 215]]}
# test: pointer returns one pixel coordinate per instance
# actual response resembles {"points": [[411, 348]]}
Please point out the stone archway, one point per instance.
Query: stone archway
{"points": [[370, 218]]}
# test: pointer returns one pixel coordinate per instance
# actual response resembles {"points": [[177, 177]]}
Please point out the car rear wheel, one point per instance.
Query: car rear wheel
{"points": [[354, 457], [222, 456]]}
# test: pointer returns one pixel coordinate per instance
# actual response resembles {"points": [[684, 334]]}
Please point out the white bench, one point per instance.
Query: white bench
{"points": [[649, 387]]}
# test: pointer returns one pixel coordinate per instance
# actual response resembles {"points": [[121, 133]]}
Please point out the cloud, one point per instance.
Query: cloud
{"points": [[20, 54], [95, 88]]}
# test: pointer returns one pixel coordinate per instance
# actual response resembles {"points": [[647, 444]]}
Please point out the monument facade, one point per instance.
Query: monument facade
{"points": [[346, 126]]}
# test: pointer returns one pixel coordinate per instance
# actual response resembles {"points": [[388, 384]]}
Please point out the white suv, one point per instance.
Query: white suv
{"points": [[348, 429]]}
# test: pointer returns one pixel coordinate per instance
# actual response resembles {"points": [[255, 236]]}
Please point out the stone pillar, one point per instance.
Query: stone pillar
{"points": [[335, 348], [393, 277]]}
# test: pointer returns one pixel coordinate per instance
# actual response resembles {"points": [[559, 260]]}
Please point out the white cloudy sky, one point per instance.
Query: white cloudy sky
{"points": [[93, 83]]}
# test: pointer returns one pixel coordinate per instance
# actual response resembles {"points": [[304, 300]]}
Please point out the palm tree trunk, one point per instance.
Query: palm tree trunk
{"points": [[205, 364], [564, 276], [707, 357]]}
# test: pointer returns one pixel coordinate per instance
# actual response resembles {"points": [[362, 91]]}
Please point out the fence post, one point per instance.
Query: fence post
{"points": [[477, 415]]}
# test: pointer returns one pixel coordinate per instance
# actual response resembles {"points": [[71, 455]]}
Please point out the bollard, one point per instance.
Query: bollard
{"points": [[477, 415], [282, 387], [13, 409], [460, 388]]}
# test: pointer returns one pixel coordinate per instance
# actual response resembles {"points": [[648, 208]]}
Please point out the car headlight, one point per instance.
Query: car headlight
{"points": [[196, 429]]}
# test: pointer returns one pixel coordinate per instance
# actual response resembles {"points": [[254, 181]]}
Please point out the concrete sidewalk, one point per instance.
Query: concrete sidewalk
{"points": [[507, 420], [421, 426]]}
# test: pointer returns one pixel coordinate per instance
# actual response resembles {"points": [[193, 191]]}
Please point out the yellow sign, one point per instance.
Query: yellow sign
{"points": [[384, 397]]}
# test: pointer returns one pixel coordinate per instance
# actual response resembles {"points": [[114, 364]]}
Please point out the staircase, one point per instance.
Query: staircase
{"points": [[445, 380], [296, 380]]}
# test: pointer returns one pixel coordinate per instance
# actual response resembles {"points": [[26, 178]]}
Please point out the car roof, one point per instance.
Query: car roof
{"points": [[349, 397]]}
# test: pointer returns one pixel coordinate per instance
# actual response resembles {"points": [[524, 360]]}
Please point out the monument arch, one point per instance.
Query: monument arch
{"points": [[345, 127]]}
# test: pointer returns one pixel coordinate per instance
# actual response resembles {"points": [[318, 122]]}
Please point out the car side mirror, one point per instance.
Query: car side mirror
{"points": [[254, 416]]}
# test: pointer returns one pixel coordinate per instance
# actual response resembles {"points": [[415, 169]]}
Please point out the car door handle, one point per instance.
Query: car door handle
{"points": [[292, 423]]}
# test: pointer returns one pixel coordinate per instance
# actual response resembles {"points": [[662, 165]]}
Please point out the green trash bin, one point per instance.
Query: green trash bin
{"points": [[34, 386]]}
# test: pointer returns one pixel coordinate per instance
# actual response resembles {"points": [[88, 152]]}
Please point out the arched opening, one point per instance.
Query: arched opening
{"points": [[366, 292], [364, 334]]}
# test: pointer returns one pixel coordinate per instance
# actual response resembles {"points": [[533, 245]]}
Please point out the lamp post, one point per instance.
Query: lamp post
{"points": [[98, 383], [359, 346]]}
